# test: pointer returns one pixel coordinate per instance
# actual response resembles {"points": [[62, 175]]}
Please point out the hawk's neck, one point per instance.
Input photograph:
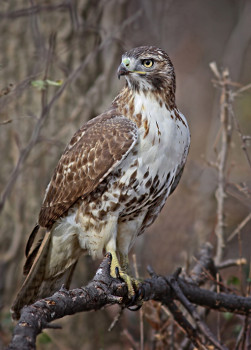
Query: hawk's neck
{"points": [[131, 103]]}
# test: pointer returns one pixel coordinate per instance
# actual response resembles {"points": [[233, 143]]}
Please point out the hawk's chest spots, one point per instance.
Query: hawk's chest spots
{"points": [[152, 164]]}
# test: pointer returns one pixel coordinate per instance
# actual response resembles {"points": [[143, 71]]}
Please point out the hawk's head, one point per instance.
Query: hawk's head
{"points": [[148, 68]]}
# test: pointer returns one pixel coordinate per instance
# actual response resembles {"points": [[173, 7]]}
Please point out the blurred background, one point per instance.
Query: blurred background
{"points": [[77, 45]]}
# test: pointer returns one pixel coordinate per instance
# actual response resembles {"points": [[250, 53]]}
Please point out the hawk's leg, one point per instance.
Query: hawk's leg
{"points": [[124, 261], [122, 271], [137, 297]]}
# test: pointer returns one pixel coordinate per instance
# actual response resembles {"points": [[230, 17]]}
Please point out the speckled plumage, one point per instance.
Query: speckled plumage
{"points": [[114, 176]]}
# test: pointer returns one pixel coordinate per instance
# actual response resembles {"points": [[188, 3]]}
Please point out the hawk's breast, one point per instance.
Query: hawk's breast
{"points": [[150, 168]]}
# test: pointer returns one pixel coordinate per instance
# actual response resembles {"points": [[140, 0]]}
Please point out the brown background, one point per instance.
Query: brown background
{"points": [[194, 33]]}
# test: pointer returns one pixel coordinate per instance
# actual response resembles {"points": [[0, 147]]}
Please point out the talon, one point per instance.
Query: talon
{"points": [[132, 301], [136, 308], [140, 293], [117, 272], [121, 272]]}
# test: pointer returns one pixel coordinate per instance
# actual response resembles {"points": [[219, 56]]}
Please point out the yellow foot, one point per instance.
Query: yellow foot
{"points": [[118, 272]]}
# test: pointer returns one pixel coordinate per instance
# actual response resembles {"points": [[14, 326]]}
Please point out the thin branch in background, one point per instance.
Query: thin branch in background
{"points": [[242, 338], [14, 246], [231, 262], [218, 315], [24, 153], [141, 311], [227, 118], [8, 121], [238, 340], [17, 90], [129, 337], [172, 332], [116, 319], [241, 192], [241, 272], [25, 12], [204, 265], [249, 279], [241, 90], [183, 323], [245, 331], [223, 81], [239, 227], [244, 139], [201, 326]]}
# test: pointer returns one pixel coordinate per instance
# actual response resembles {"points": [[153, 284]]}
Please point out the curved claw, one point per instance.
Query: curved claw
{"points": [[135, 300], [137, 307], [117, 272], [140, 293], [132, 301]]}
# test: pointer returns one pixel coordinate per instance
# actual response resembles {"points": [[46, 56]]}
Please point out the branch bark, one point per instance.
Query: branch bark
{"points": [[104, 290]]}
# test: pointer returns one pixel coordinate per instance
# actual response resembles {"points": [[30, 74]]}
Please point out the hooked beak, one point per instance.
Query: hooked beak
{"points": [[122, 70]]}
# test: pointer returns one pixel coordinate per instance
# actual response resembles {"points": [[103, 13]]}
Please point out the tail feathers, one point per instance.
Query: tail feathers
{"points": [[31, 258], [37, 285], [30, 288], [31, 239], [46, 267]]}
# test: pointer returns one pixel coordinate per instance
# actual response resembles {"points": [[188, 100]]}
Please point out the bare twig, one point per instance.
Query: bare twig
{"points": [[35, 9], [241, 90], [245, 331], [8, 121], [218, 315], [116, 319], [225, 118], [238, 340], [184, 323], [239, 227], [192, 311], [24, 153], [244, 138], [204, 265], [141, 310], [231, 262], [130, 339]]}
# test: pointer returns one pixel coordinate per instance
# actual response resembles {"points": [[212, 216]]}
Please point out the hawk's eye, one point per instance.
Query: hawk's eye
{"points": [[147, 63]]}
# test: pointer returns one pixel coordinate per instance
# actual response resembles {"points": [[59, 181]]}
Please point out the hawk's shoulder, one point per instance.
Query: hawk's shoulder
{"points": [[93, 152]]}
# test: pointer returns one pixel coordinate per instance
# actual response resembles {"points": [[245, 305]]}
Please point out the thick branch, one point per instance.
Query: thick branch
{"points": [[102, 290], [105, 290], [157, 289]]}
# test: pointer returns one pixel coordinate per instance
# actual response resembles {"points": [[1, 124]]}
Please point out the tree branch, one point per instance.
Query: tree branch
{"points": [[104, 290]]}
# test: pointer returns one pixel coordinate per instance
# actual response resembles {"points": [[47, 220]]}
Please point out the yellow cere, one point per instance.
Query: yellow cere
{"points": [[139, 72]]}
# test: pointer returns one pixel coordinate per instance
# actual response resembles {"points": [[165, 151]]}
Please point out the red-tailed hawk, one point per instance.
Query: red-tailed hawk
{"points": [[112, 179]]}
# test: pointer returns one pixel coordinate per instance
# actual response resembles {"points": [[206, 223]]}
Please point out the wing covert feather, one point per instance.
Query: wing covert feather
{"points": [[93, 152]]}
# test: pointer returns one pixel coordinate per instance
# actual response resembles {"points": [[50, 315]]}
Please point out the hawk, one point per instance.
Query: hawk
{"points": [[112, 180]]}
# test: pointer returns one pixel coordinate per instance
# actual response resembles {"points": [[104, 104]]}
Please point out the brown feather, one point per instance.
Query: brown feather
{"points": [[31, 257], [29, 290], [94, 151], [31, 240]]}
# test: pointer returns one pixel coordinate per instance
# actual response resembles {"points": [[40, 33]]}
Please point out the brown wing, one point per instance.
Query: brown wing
{"points": [[94, 151]]}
